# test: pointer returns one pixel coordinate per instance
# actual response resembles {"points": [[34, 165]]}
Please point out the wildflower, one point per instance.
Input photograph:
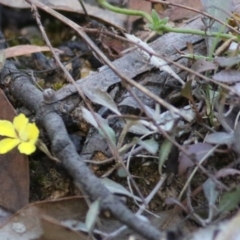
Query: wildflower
{"points": [[20, 133]]}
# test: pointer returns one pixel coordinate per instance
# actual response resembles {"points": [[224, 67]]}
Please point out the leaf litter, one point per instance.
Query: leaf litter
{"points": [[138, 130]]}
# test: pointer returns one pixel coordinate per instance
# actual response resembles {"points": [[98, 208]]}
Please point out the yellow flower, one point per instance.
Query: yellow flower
{"points": [[20, 133]]}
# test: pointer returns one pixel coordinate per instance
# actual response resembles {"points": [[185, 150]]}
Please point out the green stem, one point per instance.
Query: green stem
{"points": [[166, 28], [162, 28], [197, 57], [125, 11]]}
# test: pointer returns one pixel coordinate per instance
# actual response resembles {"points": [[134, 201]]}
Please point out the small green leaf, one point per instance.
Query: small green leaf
{"points": [[101, 97], [151, 145], [157, 23], [87, 115], [187, 91], [163, 154], [156, 20], [116, 188], [92, 215], [137, 128], [109, 131], [164, 21], [230, 200], [210, 191]]}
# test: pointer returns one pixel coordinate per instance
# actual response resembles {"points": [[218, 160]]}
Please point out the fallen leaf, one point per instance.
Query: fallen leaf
{"points": [[44, 218], [138, 5], [203, 65], [227, 61], [199, 150], [220, 138], [14, 171], [52, 229], [227, 76], [25, 50], [176, 13]]}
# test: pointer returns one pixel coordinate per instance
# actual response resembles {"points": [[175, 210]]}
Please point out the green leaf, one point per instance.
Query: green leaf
{"points": [[164, 21], [87, 115], [109, 131], [187, 91], [210, 191], [92, 215], [230, 200], [163, 153], [156, 21], [116, 188], [101, 97], [151, 145], [137, 128]]}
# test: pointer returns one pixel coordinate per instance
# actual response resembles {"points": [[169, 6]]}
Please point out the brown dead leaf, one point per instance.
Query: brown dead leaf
{"points": [[145, 6], [14, 172], [139, 5], [187, 91], [202, 65], [25, 50], [199, 150], [176, 13], [36, 220], [53, 229]]}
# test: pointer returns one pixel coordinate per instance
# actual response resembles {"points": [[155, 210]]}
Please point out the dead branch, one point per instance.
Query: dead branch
{"points": [[46, 109]]}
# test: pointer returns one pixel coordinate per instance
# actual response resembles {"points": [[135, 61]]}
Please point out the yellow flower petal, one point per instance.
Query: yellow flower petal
{"points": [[29, 133], [23, 135], [8, 144], [7, 129], [32, 131], [27, 147], [20, 122]]}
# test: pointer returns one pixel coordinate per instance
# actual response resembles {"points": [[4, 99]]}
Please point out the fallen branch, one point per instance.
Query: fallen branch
{"points": [[46, 107]]}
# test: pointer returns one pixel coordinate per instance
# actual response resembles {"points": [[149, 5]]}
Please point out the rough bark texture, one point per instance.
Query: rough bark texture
{"points": [[132, 64]]}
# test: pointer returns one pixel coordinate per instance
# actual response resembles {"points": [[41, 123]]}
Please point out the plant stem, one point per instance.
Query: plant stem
{"points": [[166, 28], [125, 11], [163, 28]]}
